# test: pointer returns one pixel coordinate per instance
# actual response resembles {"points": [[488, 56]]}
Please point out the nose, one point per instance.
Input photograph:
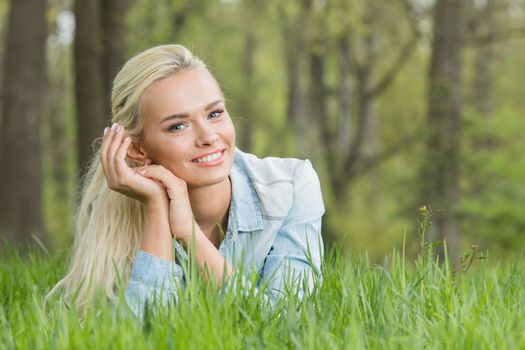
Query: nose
{"points": [[206, 135]]}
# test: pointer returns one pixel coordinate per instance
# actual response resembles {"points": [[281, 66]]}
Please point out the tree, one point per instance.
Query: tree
{"points": [[58, 145], [293, 15], [490, 188], [23, 95], [363, 75], [247, 109], [439, 175], [99, 53]]}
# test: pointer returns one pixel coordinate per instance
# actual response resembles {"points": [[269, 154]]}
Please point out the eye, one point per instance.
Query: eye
{"points": [[177, 127], [215, 114]]}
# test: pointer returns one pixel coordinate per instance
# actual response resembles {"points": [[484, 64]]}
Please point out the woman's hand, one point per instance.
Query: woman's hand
{"points": [[120, 176], [181, 219]]}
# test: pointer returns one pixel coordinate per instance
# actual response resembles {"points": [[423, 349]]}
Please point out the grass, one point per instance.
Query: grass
{"points": [[401, 303]]}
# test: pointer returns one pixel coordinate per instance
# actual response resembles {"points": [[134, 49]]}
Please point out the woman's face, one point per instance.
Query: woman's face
{"points": [[187, 128]]}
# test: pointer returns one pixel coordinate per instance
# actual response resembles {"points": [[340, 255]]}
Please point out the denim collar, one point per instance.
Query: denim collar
{"points": [[245, 205]]}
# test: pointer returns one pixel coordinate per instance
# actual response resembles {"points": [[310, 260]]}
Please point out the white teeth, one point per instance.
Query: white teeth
{"points": [[209, 158]]}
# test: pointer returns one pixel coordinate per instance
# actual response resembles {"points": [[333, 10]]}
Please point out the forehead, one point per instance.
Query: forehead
{"points": [[181, 92]]}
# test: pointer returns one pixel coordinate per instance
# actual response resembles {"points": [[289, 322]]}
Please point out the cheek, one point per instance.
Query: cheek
{"points": [[230, 131], [169, 152]]}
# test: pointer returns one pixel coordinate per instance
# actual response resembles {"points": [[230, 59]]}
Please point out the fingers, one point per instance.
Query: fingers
{"points": [[139, 169], [121, 167], [110, 144], [156, 172], [172, 183], [118, 133], [106, 140]]}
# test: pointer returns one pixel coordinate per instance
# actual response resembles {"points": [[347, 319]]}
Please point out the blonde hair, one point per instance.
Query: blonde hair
{"points": [[108, 225]]}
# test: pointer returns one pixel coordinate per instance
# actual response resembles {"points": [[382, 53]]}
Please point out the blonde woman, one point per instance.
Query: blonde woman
{"points": [[168, 173]]}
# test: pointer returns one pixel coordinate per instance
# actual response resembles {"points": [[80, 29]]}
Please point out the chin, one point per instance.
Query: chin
{"points": [[211, 181], [208, 177]]}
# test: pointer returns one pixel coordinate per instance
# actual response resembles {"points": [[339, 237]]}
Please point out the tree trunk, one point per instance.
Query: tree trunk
{"points": [[370, 143], [114, 43], [319, 107], [439, 177], [99, 55], [58, 148], [91, 92], [344, 128], [295, 51], [484, 80], [371, 150], [24, 82], [484, 59], [246, 107]]}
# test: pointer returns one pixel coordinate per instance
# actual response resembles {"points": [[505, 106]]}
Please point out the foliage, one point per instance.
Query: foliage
{"points": [[380, 206], [493, 163]]}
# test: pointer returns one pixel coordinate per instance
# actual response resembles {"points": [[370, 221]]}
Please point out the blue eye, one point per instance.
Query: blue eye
{"points": [[177, 127], [215, 114]]}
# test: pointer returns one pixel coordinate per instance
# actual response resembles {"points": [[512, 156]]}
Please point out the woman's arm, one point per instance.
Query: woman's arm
{"points": [[168, 215], [150, 274], [186, 230], [211, 263], [125, 180], [157, 239], [154, 275], [294, 260]]}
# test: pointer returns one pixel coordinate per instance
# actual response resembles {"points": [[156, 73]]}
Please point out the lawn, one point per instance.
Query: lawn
{"points": [[401, 303]]}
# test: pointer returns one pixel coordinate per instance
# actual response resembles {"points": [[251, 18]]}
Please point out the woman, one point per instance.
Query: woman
{"points": [[168, 173]]}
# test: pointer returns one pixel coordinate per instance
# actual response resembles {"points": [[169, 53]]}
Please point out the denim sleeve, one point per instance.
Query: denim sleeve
{"points": [[293, 264], [152, 279]]}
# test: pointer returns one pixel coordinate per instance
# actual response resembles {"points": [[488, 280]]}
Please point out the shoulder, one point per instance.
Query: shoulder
{"points": [[279, 182], [268, 169]]}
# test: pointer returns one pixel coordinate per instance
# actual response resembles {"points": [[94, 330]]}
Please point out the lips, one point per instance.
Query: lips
{"points": [[208, 157]]}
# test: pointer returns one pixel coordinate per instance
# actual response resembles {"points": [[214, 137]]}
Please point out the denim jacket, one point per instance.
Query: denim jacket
{"points": [[274, 230]]}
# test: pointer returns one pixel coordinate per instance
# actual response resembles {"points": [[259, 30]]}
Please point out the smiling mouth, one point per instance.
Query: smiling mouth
{"points": [[209, 158]]}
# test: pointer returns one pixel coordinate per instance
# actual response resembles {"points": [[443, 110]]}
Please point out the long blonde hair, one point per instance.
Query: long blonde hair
{"points": [[108, 225]]}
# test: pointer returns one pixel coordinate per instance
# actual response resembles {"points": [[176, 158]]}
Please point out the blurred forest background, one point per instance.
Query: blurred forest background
{"points": [[398, 103]]}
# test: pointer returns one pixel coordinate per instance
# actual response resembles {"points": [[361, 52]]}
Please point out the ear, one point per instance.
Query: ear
{"points": [[137, 153]]}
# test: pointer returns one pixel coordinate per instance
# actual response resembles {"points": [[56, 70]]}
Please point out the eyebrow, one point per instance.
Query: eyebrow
{"points": [[186, 115]]}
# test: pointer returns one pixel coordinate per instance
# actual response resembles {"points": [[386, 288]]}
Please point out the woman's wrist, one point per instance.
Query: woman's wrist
{"points": [[157, 239], [156, 204], [211, 262], [191, 239]]}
